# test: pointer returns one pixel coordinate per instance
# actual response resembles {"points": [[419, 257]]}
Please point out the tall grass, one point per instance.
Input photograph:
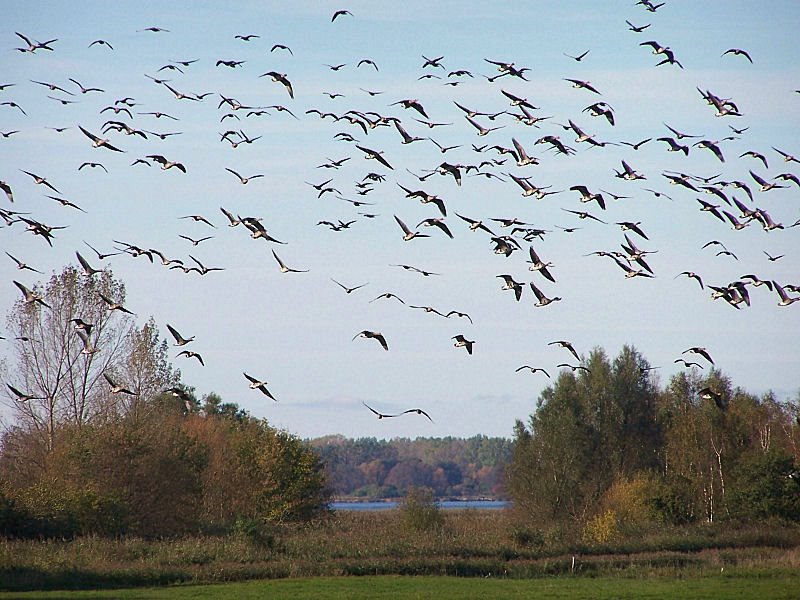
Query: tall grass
{"points": [[467, 543]]}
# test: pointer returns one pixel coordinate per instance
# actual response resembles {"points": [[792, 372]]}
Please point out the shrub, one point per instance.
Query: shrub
{"points": [[52, 511], [420, 512], [527, 538], [256, 532], [601, 529], [631, 501]]}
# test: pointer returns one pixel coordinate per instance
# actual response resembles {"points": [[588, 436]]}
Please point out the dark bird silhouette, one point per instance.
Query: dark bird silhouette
{"points": [[567, 345], [531, 369], [348, 290], [381, 415], [700, 351], [462, 342], [282, 79], [375, 335], [22, 396], [340, 13], [738, 52], [190, 354]]}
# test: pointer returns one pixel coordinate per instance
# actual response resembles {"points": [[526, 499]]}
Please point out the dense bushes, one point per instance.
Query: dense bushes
{"points": [[163, 474]]}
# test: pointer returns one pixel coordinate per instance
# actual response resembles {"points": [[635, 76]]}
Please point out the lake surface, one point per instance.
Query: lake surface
{"points": [[445, 505]]}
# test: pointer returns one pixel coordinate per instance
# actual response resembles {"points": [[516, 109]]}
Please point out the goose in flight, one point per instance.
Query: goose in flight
{"points": [[510, 284], [381, 415], [701, 351], [375, 335], [281, 47], [243, 180], [388, 295], [179, 339], [462, 342], [434, 222], [636, 28], [584, 215], [428, 309], [88, 347], [408, 235], [708, 394], [39, 180], [578, 58], [738, 52], [786, 300], [422, 272], [587, 196], [687, 363], [567, 345], [482, 131], [196, 241], [348, 290], [280, 78], [111, 305], [531, 369], [692, 275], [537, 264], [29, 296], [284, 268], [86, 90], [376, 155], [190, 354], [542, 299], [87, 268], [474, 224], [166, 164], [574, 367], [340, 13], [765, 185], [577, 83], [7, 190], [199, 219], [22, 396], [99, 142], [261, 386], [117, 388], [21, 265]]}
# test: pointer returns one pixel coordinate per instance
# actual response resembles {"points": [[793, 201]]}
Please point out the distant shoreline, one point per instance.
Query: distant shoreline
{"points": [[397, 499]]}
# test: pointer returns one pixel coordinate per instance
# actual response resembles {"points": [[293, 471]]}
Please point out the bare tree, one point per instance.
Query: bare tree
{"points": [[68, 347]]}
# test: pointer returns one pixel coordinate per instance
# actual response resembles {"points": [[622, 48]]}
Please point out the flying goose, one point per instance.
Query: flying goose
{"points": [[29, 296], [532, 369], [22, 396], [542, 299], [117, 388], [261, 386], [567, 345], [380, 415], [375, 335], [462, 342]]}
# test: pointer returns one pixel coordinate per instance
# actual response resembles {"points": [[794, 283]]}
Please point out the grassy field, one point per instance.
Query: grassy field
{"points": [[472, 548], [774, 586]]}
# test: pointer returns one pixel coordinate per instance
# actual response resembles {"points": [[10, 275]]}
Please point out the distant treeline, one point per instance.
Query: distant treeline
{"points": [[450, 467]]}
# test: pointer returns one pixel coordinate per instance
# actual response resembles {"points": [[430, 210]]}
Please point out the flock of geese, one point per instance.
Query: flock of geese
{"points": [[491, 145]]}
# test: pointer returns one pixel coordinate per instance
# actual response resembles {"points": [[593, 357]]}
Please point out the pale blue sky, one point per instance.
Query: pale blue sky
{"points": [[295, 330]]}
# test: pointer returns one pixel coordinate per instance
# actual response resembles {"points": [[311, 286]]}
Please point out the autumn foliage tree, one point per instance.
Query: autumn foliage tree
{"points": [[80, 458]]}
